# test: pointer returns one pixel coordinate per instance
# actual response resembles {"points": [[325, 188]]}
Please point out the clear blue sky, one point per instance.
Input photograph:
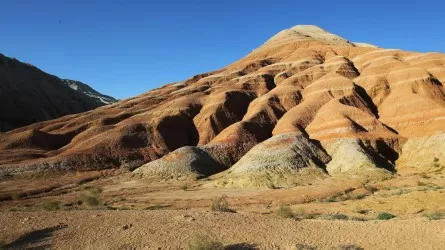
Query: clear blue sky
{"points": [[124, 48]]}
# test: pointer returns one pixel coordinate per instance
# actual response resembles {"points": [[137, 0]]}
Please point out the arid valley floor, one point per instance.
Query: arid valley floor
{"points": [[139, 213]]}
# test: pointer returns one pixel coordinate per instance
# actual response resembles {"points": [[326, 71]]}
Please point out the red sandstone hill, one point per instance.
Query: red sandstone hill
{"points": [[305, 105]]}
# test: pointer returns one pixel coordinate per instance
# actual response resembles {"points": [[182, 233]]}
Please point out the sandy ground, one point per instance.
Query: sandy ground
{"points": [[157, 215], [173, 229]]}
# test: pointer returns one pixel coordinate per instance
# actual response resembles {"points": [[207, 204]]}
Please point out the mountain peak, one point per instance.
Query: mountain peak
{"points": [[307, 28], [310, 33]]}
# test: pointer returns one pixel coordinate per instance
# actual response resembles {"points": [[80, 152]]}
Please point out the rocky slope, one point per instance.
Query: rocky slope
{"points": [[29, 95], [305, 105], [88, 91]]}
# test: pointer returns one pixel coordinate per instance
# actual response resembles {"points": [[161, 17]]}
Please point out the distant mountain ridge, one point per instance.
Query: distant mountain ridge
{"points": [[29, 95], [87, 90]]}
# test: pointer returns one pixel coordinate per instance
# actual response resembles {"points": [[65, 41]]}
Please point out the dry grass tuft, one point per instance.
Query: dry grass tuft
{"points": [[221, 204], [204, 242]]}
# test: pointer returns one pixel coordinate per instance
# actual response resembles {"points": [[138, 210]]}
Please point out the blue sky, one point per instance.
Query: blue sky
{"points": [[125, 48]]}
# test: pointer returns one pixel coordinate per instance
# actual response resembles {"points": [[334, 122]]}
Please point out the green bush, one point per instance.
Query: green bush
{"points": [[385, 216], [204, 242]]}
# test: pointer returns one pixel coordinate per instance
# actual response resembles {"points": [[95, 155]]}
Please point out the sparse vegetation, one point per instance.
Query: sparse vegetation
{"points": [[156, 207], [301, 213], [356, 218], [284, 211], [371, 189], [304, 247], [435, 216], [362, 211], [204, 242], [342, 197], [51, 206], [94, 190], [270, 185], [349, 247], [184, 186], [17, 196], [401, 191], [328, 199], [89, 200], [385, 216], [221, 204], [339, 217], [421, 184], [359, 196], [424, 175]]}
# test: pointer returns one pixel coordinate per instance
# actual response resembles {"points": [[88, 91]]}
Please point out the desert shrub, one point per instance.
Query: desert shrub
{"points": [[362, 211], [184, 186], [349, 247], [371, 189], [51, 206], [157, 207], [385, 216], [91, 197], [17, 196], [424, 175], [304, 247], [329, 199], [356, 218], [359, 196], [435, 216], [301, 213], [90, 200], [284, 211], [94, 190], [421, 184], [221, 204], [398, 192], [339, 217], [204, 242], [270, 185]]}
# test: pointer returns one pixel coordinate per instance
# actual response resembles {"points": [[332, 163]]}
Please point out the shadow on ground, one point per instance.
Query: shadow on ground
{"points": [[35, 240]]}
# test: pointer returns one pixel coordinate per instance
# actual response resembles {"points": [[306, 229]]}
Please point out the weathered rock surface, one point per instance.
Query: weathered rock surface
{"points": [[351, 158], [423, 154], [183, 163], [374, 112], [283, 160]]}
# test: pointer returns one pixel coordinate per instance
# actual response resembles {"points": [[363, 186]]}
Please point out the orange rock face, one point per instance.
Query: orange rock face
{"points": [[348, 98]]}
